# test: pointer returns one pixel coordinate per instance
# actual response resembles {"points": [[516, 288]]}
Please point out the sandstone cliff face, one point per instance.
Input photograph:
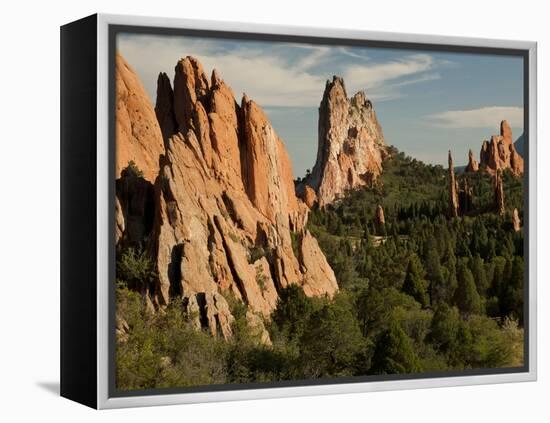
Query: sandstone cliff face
{"points": [[308, 196], [138, 135], [225, 206], [351, 144], [500, 153]]}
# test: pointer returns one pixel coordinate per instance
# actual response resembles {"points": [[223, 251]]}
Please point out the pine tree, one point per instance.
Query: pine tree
{"points": [[434, 274], [395, 353], [414, 284], [332, 342], [478, 271], [466, 296]]}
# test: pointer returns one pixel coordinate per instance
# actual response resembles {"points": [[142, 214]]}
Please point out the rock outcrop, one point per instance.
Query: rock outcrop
{"points": [[380, 220], [138, 135], [516, 222], [473, 165], [308, 196], [351, 144], [500, 153], [225, 206], [453, 189], [498, 187]]}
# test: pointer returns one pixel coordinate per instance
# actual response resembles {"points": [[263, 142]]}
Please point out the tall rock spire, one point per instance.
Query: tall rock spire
{"points": [[453, 189], [516, 222], [499, 193], [473, 165], [351, 144], [380, 220]]}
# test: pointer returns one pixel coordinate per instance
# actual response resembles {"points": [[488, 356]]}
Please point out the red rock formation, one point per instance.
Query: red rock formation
{"points": [[266, 167], [453, 189], [138, 135], [351, 144], [499, 193], [379, 220], [516, 222], [164, 108], [308, 196], [225, 192], [473, 165], [500, 153]]}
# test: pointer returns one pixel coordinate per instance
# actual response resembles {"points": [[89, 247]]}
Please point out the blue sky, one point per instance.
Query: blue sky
{"points": [[427, 102]]}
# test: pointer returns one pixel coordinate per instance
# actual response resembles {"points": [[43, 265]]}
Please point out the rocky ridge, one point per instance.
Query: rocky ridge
{"points": [[225, 211]]}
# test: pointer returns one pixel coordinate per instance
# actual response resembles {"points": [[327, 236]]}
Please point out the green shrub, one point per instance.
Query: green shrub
{"points": [[135, 268]]}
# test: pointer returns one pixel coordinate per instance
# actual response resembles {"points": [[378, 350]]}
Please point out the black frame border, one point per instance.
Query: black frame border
{"points": [[78, 211]]}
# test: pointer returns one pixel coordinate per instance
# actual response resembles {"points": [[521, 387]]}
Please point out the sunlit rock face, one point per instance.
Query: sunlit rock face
{"points": [[225, 208], [351, 144], [500, 153]]}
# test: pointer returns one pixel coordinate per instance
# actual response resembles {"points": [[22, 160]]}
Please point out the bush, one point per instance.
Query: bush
{"points": [[133, 170], [165, 349], [135, 269]]}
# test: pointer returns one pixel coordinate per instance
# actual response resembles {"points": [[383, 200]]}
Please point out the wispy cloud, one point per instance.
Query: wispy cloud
{"points": [[373, 75], [484, 117], [290, 75]]}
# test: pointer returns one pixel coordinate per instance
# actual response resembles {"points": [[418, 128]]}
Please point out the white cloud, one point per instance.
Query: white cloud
{"points": [[268, 76], [375, 74], [483, 117]]}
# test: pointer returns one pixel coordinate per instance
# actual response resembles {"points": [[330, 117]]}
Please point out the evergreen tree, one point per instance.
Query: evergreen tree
{"points": [[466, 296], [332, 342], [478, 271], [511, 296], [395, 353], [434, 274], [292, 311], [445, 328], [414, 284]]}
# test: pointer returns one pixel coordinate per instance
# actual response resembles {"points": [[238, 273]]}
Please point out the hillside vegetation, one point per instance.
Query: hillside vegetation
{"points": [[421, 293]]}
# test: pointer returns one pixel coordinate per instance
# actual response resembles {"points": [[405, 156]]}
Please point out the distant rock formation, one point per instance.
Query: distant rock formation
{"points": [[500, 153], [516, 221], [498, 186], [138, 135], [453, 189], [473, 165], [351, 144], [380, 220], [224, 205]]}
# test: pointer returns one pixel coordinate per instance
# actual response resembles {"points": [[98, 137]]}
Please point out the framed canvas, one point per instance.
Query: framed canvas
{"points": [[253, 211]]}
